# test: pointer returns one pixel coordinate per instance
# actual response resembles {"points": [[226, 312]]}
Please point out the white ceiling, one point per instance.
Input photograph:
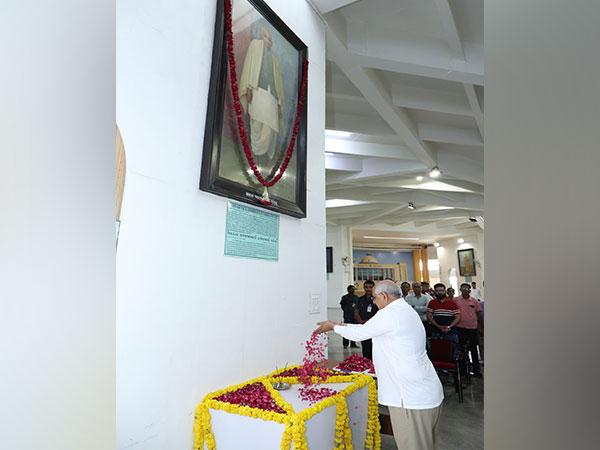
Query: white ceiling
{"points": [[405, 81]]}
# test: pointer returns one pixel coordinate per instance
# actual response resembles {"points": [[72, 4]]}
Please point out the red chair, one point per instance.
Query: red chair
{"points": [[441, 353]]}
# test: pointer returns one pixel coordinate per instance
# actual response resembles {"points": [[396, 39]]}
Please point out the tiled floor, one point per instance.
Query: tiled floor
{"points": [[461, 426]]}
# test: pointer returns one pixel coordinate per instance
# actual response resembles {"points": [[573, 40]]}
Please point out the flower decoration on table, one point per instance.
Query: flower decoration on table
{"points": [[254, 395], [258, 399], [300, 371], [314, 394], [356, 363]]}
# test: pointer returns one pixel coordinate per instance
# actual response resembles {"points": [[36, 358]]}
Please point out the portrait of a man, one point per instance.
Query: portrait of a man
{"points": [[262, 95], [466, 263], [269, 61]]}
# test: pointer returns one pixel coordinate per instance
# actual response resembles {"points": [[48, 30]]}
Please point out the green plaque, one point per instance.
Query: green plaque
{"points": [[251, 232]]}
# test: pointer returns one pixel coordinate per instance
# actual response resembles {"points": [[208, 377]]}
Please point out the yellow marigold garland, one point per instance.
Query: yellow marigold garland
{"points": [[343, 432], [202, 429], [286, 439], [373, 439], [295, 423]]}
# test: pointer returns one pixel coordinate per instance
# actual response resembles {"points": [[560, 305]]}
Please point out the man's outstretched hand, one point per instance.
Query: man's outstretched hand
{"points": [[325, 326]]}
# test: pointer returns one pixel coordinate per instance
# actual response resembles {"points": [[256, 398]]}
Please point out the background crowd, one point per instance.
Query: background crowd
{"points": [[445, 315]]}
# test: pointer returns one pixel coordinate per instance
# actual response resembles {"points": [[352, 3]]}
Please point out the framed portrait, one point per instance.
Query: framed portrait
{"points": [[269, 66], [466, 263]]}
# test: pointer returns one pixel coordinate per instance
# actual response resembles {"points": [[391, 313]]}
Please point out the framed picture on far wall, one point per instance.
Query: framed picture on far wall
{"points": [[269, 61], [466, 262]]}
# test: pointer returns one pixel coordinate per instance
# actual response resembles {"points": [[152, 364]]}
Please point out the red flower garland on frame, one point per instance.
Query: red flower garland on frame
{"points": [[240, 119]]}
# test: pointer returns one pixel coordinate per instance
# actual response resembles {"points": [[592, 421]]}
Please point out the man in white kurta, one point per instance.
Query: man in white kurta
{"points": [[407, 381], [262, 94]]}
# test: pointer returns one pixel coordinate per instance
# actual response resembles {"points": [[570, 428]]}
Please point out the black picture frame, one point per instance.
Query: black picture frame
{"points": [[463, 268], [210, 179]]}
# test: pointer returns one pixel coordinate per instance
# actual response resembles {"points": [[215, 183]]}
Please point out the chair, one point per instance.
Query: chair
{"points": [[441, 353]]}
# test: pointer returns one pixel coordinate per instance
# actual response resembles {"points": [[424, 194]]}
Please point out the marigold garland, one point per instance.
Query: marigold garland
{"points": [[343, 432], [295, 423]]}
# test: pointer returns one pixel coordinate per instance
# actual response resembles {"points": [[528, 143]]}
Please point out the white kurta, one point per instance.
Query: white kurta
{"points": [[405, 376], [264, 107]]}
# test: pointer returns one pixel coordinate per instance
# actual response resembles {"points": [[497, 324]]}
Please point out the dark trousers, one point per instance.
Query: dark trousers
{"points": [[427, 327], [469, 339], [345, 342], [367, 348]]}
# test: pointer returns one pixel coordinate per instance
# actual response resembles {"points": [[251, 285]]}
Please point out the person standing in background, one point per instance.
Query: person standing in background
{"points": [[419, 301], [426, 289], [348, 304], [405, 288], [475, 292], [467, 326], [443, 315], [365, 309]]}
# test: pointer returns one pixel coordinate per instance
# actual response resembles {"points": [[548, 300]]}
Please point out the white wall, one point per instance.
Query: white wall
{"points": [[448, 258], [190, 320], [340, 238]]}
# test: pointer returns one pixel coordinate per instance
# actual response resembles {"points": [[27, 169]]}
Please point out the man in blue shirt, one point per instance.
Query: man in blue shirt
{"points": [[418, 301]]}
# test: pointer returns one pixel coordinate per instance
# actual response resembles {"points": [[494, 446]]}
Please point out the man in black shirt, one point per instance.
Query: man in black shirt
{"points": [[348, 305], [365, 309]]}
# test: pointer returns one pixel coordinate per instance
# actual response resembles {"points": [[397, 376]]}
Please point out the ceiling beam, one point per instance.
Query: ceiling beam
{"points": [[430, 100], [475, 106], [461, 200], [394, 182], [374, 168], [453, 37], [458, 166], [357, 123], [357, 148], [449, 135], [325, 6], [375, 93], [343, 163], [445, 68], [452, 34], [385, 213]]}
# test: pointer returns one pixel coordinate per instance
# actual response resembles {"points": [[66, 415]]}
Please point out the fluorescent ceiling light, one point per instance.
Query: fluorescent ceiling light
{"points": [[420, 178], [436, 186], [436, 244], [339, 202], [461, 241], [435, 172], [389, 237], [338, 133]]}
